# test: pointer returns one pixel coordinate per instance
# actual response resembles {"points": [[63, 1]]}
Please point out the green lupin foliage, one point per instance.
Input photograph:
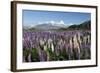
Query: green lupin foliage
{"points": [[34, 55], [26, 53]]}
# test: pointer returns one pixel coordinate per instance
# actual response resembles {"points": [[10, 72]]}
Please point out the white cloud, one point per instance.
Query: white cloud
{"points": [[61, 22], [52, 22]]}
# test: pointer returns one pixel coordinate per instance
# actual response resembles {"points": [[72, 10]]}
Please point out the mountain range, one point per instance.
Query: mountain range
{"points": [[59, 26]]}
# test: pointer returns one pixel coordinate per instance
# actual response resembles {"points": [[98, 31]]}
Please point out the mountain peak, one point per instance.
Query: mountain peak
{"points": [[53, 23]]}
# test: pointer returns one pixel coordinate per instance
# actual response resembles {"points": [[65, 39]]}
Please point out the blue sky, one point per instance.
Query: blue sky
{"points": [[31, 17]]}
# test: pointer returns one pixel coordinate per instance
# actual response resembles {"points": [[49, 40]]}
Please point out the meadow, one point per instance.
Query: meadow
{"points": [[42, 46]]}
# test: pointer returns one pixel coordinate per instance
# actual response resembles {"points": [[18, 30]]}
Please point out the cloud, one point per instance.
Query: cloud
{"points": [[54, 23], [61, 22]]}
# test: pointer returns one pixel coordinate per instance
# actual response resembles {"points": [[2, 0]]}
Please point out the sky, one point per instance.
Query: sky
{"points": [[34, 17]]}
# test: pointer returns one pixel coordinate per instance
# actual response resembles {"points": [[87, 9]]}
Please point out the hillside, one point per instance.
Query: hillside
{"points": [[83, 26], [45, 27]]}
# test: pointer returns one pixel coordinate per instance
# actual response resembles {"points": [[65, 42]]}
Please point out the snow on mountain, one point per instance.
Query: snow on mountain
{"points": [[54, 23], [48, 25]]}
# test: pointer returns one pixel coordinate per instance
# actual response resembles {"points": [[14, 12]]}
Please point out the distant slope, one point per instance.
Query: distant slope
{"points": [[43, 27], [46, 27], [83, 26]]}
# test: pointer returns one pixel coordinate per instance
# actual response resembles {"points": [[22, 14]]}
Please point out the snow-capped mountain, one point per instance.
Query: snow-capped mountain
{"points": [[48, 25], [53, 23]]}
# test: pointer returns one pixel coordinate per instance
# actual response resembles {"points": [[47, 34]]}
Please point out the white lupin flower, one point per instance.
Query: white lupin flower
{"points": [[41, 42], [45, 47], [76, 44], [52, 47], [75, 41], [78, 49], [49, 41], [88, 38], [84, 39], [79, 39], [70, 42], [60, 42], [29, 57]]}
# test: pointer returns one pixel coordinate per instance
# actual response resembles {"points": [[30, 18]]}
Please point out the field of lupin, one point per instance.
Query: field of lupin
{"points": [[42, 46]]}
